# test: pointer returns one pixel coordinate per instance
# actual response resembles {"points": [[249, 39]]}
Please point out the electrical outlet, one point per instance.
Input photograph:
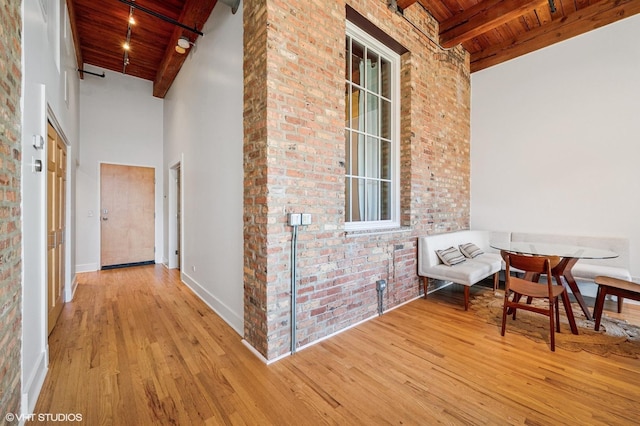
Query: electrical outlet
{"points": [[381, 285], [295, 219], [306, 218]]}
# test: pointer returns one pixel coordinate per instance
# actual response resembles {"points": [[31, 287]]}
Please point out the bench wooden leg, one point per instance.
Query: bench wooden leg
{"points": [[425, 285], [496, 280], [620, 299], [466, 297]]}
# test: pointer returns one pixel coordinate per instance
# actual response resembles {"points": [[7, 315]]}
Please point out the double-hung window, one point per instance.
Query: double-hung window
{"points": [[372, 133]]}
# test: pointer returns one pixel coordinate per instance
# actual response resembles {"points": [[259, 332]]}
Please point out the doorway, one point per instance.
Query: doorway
{"points": [[56, 220], [175, 216], [127, 215]]}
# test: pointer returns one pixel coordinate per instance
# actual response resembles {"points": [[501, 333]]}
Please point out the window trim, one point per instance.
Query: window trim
{"points": [[393, 57]]}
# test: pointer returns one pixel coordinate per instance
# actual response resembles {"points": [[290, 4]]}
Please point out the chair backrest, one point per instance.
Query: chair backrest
{"points": [[527, 263]]}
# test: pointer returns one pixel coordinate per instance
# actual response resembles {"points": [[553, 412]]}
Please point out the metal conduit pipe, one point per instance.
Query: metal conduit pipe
{"points": [[294, 290]]}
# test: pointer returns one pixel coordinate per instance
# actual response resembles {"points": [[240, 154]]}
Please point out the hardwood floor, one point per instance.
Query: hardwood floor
{"points": [[136, 347]]}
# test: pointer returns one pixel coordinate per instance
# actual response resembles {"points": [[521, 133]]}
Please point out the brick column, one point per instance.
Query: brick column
{"points": [[10, 215], [294, 161]]}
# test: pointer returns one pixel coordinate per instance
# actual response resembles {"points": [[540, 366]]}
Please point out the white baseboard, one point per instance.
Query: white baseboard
{"points": [[32, 385], [87, 267], [70, 292], [230, 317]]}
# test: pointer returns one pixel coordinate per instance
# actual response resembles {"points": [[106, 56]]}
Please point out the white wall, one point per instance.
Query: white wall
{"points": [[49, 89], [120, 123], [204, 131], [555, 139]]}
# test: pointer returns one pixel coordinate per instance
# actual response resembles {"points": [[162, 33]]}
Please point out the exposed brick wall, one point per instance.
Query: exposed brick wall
{"points": [[10, 228], [255, 174], [294, 162]]}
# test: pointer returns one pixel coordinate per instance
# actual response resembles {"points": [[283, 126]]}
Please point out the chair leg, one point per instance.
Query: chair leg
{"points": [[599, 307], [552, 328], [620, 299], [496, 281], [505, 308], [557, 315], [516, 299]]}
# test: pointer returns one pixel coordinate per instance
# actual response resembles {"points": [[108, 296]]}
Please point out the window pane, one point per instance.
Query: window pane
{"points": [[385, 201], [385, 160], [357, 59], [347, 105], [347, 198], [373, 199], [358, 156], [357, 109], [385, 77], [347, 49], [372, 114], [347, 148], [357, 200], [372, 72], [373, 157], [385, 119]]}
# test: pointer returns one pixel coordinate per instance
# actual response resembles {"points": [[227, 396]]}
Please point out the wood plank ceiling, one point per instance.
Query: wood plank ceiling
{"points": [[100, 30], [492, 31]]}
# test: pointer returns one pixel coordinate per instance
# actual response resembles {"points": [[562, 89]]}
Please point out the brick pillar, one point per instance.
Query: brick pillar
{"points": [[294, 161], [255, 175], [10, 225]]}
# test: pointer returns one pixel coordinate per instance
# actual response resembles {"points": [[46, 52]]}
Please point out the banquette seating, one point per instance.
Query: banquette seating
{"points": [[467, 272], [473, 270]]}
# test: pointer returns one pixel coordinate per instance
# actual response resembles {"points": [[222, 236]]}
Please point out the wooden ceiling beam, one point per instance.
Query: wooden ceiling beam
{"points": [[483, 17], [74, 33], [403, 4], [579, 22], [195, 14]]}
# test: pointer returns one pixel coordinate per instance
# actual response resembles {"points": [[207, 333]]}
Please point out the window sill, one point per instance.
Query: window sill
{"points": [[380, 231]]}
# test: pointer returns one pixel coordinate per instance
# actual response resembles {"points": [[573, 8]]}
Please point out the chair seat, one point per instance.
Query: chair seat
{"points": [[532, 289]]}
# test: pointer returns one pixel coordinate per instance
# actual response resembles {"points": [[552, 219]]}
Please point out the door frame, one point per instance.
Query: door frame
{"points": [[175, 226], [69, 285]]}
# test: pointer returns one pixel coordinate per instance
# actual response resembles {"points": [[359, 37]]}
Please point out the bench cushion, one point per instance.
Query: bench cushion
{"points": [[588, 271]]}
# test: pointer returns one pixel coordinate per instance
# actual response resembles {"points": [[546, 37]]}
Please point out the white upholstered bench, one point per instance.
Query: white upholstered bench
{"points": [[468, 272]]}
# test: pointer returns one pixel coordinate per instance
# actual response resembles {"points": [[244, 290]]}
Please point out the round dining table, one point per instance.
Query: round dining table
{"points": [[569, 254]]}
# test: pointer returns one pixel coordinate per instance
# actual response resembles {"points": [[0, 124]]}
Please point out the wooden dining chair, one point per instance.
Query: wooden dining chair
{"points": [[519, 287]]}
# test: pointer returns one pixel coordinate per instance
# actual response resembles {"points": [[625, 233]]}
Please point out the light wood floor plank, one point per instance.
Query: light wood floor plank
{"points": [[136, 346]]}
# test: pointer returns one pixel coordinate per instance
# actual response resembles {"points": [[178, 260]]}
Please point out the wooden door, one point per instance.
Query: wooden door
{"points": [[56, 199], [127, 215], [178, 216]]}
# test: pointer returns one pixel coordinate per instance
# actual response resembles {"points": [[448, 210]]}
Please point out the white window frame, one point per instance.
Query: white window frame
{"points": [[394, 59]]}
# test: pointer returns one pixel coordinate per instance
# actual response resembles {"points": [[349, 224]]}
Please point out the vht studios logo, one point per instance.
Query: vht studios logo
{"points": [[44, 417]]}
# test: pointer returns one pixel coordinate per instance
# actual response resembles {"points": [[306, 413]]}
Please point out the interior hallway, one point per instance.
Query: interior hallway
{"points": [[135, 346]]}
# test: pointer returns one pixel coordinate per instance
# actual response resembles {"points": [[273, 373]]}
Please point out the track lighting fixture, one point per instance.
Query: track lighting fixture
{"points": [[183, 44], [233, 4]]}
